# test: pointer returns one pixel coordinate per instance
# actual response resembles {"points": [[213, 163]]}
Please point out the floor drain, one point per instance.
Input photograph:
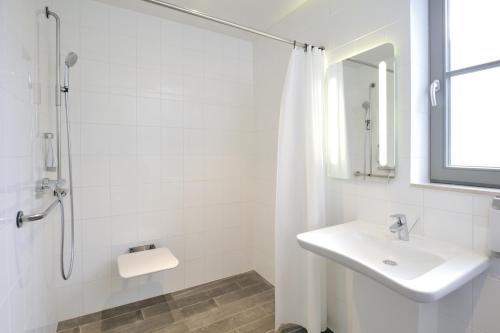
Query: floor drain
{"points": [[390, 262]]}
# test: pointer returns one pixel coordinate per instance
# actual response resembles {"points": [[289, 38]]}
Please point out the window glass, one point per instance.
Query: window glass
{"points": [[474, 28], [474, 120]]}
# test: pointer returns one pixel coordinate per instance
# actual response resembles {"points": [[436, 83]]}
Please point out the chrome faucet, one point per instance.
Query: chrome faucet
{"points": [[400, 227]]}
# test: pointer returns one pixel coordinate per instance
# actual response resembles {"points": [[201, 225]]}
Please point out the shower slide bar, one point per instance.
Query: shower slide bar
{"points": [[228, 23]]}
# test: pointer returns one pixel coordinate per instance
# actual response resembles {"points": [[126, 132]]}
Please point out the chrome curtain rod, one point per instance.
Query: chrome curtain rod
{"points": [[228, 23]]}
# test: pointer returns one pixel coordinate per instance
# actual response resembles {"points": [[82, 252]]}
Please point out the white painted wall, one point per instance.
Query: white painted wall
{"points": [[27, 255], [357, 304]]}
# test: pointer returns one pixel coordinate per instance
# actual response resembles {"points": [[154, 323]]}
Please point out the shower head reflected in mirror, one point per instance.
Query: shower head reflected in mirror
{"points": [[366, 105], [71, 59]]}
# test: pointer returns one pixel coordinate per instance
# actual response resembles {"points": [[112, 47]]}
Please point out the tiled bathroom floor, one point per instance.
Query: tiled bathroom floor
{"points": [[238, 304]]}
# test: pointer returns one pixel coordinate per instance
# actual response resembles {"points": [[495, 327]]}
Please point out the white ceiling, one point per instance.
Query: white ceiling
{"points": [[258, 14]]}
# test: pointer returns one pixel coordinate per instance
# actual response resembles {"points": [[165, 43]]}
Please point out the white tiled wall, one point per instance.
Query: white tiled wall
{"points": [[27, 259], [347, 28], [162, 120], [162, 129], [269, 61]]}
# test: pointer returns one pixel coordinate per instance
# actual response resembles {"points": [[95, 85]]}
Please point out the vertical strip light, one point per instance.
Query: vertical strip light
{"points": [[382, 112], [333, 116]]}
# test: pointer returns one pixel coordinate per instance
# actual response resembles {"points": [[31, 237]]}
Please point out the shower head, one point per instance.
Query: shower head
{"points": [[71, 59], [366, 105]]}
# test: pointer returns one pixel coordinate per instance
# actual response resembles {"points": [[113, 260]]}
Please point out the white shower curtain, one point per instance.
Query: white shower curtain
{"points": [[300, 194]]}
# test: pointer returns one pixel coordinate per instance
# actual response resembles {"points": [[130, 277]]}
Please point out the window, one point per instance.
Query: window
{"points": [[465, 115]]}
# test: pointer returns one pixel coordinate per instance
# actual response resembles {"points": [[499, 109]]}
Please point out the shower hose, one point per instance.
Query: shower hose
{"points": [[60, 195]]}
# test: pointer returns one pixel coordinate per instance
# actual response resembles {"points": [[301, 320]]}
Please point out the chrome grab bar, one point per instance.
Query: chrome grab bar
{"points": [[21, 218], [360, 174]]}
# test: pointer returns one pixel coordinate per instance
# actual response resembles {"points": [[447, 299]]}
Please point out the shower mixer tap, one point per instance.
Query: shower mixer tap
{"points": [[52, 185]]}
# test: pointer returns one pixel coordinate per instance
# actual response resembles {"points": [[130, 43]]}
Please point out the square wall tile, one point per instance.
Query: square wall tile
{"points": [[456, 228]]}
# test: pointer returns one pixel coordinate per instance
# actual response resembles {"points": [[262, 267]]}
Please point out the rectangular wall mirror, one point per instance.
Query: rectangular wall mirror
{"points": [[362, 116]]}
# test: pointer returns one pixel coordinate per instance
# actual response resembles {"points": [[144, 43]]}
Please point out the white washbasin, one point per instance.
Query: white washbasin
{"points": [[422, 269]]}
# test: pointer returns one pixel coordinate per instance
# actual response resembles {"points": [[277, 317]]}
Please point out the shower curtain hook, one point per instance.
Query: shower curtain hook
{"points": [[305, 47], [294, 44]]}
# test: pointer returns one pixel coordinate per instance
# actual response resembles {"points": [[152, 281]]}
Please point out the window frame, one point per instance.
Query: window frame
{"points": [[440, 170]]}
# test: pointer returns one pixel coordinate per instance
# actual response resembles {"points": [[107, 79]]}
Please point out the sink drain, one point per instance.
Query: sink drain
{"points": [[390, 262]]}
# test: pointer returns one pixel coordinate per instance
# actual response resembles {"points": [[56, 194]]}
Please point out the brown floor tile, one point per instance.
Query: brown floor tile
{"points": [[165, 322], [242, 293], [75, 322], [70, 330], [176, 328], [215, 315], [151, 301], [112, 323], [265, 296], [180, 301], [119, 310], [268, 307], [159, 321], [233, 322], [188, 300], [204, 287], [224, 311], [224, 289], [197, 308], [156, 309], [249, 279], [67, 325], [262, 325], [243, 301], [132, 306]]}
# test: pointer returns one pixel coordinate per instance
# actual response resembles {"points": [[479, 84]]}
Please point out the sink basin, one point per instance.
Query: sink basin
{"points": [[421, 269]]}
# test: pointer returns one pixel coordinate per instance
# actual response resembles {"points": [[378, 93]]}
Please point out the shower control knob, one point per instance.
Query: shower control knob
{"points": [[43, 185]]}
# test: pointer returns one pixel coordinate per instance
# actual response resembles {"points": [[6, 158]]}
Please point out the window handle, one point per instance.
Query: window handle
{"points": [[433, 89]]}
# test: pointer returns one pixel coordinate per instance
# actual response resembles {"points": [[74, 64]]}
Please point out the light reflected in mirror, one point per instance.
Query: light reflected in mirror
{"points": [[361, 115]]}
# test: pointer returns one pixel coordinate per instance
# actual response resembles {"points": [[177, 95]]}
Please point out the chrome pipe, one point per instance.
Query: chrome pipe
{"points": [[21, 218], [370, 134], [228, 23], [48, 14], [59, 192]]}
